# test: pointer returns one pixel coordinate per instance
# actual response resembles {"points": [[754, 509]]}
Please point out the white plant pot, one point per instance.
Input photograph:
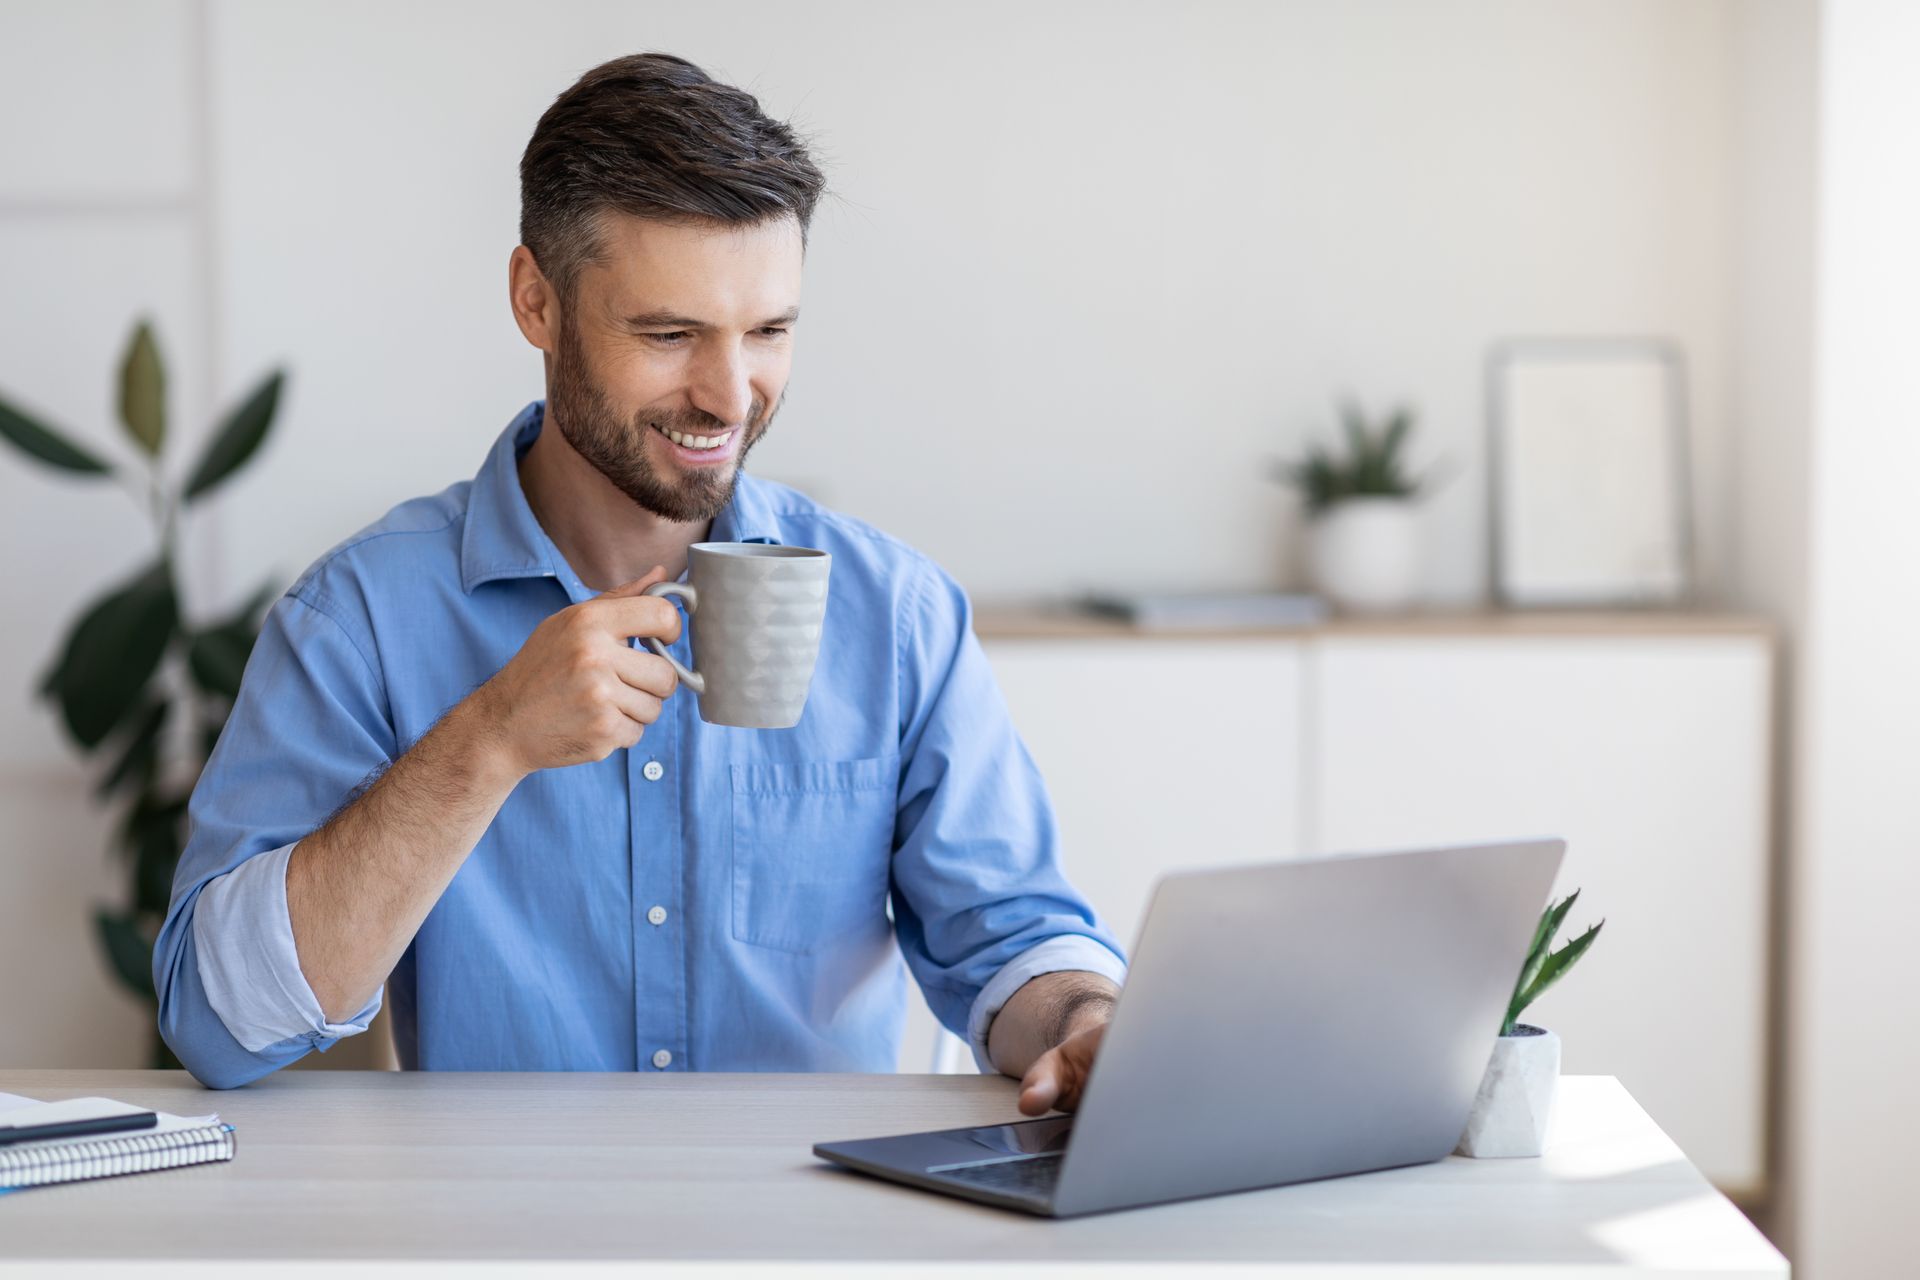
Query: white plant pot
{"points": [[1509, 1116], [1364, 554]]}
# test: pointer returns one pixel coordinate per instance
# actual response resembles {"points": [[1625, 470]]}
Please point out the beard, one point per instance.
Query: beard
{"points": [[617, 449]]}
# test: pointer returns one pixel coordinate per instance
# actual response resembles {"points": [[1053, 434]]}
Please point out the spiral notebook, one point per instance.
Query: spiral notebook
{"points": [[173, 1142]]}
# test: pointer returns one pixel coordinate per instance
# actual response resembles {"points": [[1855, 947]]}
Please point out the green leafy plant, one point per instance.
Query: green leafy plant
{"points": [[136, 684], [1372, 466], [1544, 966]]}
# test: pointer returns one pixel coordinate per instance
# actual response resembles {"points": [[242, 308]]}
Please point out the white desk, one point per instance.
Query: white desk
{"points": [[695, 1169]]}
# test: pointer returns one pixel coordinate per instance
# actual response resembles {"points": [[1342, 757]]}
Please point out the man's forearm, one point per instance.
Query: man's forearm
{"points": [[1043, 1013], [359, 887]]}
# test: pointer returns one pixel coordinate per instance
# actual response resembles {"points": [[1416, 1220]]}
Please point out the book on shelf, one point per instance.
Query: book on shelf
{"points": [[1213, 611]]}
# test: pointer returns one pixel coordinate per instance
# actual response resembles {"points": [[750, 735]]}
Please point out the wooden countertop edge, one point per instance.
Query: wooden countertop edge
{"points": [[1029, 622]]}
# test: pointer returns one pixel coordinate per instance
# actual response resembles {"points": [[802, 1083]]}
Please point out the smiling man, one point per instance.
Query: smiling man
{"points": [[456, 780]]}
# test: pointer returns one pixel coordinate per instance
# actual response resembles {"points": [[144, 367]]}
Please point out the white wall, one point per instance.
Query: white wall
{"points": [[1770, 302], [1856, 1122], [1826, 268], [1770, 389], [99, 213], [1089, 264]]}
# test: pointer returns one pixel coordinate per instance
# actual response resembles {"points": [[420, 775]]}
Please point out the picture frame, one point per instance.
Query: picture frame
{"points": [[1589, 479]]}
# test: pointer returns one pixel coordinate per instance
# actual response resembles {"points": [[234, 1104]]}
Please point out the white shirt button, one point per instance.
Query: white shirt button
{"points": [[662, 1059], [656, 915], [653, 771]]}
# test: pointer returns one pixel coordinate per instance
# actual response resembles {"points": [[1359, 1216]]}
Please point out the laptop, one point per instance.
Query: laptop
{"points": [[1281, 1022]]}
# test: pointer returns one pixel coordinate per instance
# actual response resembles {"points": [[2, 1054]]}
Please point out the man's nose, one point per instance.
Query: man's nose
{"points": [[722, 386]]}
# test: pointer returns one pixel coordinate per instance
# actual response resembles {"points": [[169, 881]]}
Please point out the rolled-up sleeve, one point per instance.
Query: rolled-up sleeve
{"points": [[310, 725], [980, 903], [249, 965]]}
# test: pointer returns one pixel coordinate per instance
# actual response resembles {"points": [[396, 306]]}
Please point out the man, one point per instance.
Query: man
{"points": [[456, 777]]}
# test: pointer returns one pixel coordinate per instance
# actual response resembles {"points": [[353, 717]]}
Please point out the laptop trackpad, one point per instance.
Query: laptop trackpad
{"points": [[953, 1148], [1000, 1141]]}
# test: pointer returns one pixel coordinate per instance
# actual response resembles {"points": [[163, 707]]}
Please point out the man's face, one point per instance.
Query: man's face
{"points": [[679, 331]]}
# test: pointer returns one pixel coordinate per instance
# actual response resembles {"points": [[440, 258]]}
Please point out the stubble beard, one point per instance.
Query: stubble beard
{"points": [[617, 449]]}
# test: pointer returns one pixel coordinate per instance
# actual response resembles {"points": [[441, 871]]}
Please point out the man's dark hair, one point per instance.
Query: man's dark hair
{"points": [[654, 136]]}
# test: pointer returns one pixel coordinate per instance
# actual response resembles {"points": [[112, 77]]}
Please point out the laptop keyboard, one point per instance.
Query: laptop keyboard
{"points": [[1029, 1179]]}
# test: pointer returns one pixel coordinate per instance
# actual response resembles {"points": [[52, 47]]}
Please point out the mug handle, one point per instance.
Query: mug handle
{"points": [[692, 679]]}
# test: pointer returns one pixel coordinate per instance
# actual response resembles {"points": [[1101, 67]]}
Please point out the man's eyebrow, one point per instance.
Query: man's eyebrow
{"points": [[674, 320]]}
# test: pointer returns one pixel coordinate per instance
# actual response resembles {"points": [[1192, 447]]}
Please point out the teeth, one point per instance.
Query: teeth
{"points": [[693, 442]]}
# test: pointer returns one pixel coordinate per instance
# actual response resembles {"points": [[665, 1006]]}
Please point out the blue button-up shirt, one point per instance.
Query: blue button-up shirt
{"points": [[713, 898]]}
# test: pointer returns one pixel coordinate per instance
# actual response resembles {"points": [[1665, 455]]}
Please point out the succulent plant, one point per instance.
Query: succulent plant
{"points": [[1371, 467], [1543, 966]]}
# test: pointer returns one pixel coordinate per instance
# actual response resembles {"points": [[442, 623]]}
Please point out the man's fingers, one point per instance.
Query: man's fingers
{"points": [[637, 706], [624, 616], [1041, 1087], [1059, 1076], [647, 671], [627, 610], [656, 574], [1038, 1097]]}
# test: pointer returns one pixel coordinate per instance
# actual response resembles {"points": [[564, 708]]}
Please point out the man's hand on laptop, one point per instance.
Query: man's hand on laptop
{"points": [[1047, 1035]]}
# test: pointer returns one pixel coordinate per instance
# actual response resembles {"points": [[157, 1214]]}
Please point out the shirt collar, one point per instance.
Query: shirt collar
{"points": [[503, 539], [748, 516]]}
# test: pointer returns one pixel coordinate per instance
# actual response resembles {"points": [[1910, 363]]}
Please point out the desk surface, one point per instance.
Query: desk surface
{"points": [[718, 1167]]}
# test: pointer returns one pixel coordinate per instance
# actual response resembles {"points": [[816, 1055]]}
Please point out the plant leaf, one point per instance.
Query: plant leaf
{"points": [[218, 656], [128, 951], [1559, 962], [149, 810], [1393, 477], [237, 437], [111, 653], [154, 835], [1536, 951], [1355, 422], [1370, 466], [1396, 435], [155, 857], [1550, 920], [44, 444], [141, 754], [1557, 915], [143, 391], [217, 659]]}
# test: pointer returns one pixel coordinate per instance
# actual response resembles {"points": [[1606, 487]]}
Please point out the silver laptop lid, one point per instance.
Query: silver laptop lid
{"points": [[1304, 1019]]}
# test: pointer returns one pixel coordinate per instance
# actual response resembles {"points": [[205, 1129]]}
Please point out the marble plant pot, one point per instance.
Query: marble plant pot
{"points": [[1509, 1116]]}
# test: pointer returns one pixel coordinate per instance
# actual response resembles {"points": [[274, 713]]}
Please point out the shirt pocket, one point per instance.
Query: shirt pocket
{"points": [[812, 847]]}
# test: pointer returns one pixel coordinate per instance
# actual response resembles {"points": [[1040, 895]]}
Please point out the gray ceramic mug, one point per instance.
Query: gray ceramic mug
{"points": [[760, 608]]}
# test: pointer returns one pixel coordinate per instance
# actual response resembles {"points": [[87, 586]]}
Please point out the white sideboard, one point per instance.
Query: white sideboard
{"points": [[1643, 739]]}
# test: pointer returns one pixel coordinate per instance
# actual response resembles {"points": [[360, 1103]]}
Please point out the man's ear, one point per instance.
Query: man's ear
{"points": [[536, 307]]}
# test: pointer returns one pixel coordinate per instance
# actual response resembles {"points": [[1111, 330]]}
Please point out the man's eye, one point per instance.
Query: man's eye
{"points": [[668, 339], [772, 331]]}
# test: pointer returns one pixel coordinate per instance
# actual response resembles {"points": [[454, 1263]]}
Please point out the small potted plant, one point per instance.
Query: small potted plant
{"points": [[1363, 544], [1509, 1116]]}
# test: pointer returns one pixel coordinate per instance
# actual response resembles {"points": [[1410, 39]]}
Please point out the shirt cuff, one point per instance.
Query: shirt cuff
{"points": [[248, 963], [1069, 951]]}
